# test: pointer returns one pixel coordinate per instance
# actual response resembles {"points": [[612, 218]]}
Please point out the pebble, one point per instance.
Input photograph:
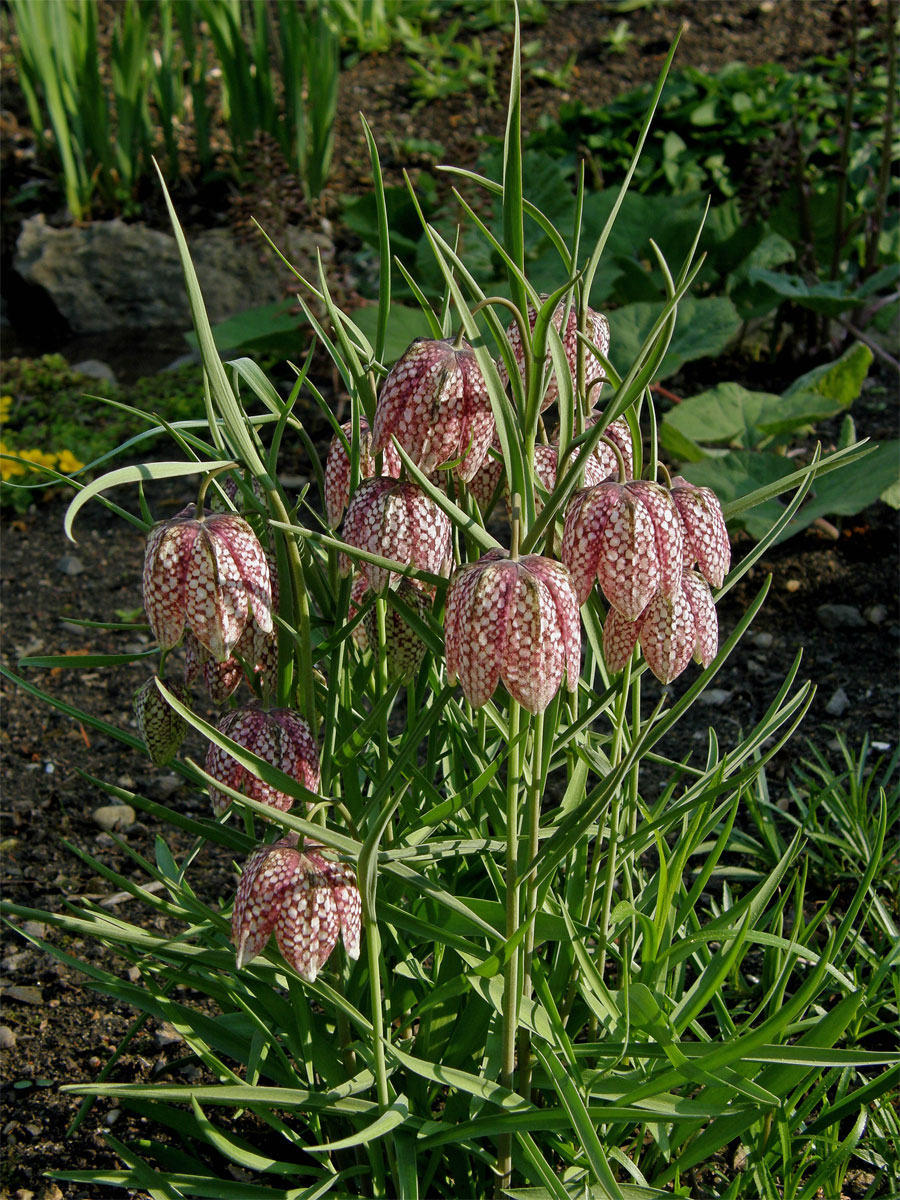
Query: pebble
{"points": [[840, 616], [165, 785], [112, 1116], [167, 1035], [764, 641], [35, 929], [838, 704], [95, 369], [715, 697], [876, 614], [114, 816], [104, 841], [70, 564], [793, 585], [7, 1038]]}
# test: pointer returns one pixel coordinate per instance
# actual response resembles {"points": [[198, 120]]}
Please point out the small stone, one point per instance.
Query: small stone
{"points": [[7, 1038], [165, 785], [70, 564], [838, 704], [15, 962], [35, 929], [840, 616], [114, 816], [35, 1130], [715, 697], [881, 747], [112, 1116], [95, 369], [763, 641], [125, 781], [26, 995], [51, 1193], [876, 614], [104, 841], [793, 585], [167, 1035]]}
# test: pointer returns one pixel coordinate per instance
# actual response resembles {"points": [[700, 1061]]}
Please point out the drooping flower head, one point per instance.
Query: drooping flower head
{"points": [[597, 333], [337, 468], [162, 728], [435, 403], [705, 535], [515, 621], [207, 574], [671, 631], [627, 536], [403, 648], [395, 520], [305, 899], [279, 736]]}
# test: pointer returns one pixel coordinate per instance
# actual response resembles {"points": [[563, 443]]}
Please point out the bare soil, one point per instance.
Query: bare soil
{"points": [[59, 1031]]}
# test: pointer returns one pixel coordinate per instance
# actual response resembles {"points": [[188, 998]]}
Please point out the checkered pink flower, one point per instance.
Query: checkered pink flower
{"points": [[705, 536], [671, 631], [627, 536], [404, 649], [208, 574], [398, 521], [305, 899], [435, 403], [619, 432], [515, 620], [280, 737], [597, 333], [337, 468], [162, 728]]}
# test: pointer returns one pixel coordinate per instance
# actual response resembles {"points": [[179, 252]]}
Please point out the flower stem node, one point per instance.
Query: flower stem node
{"points": [[435, 402], [208, 574], [280, 737], [516, 621], [305, 899]]}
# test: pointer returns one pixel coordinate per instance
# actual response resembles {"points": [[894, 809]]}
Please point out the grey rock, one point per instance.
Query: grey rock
{"points": [[763, 641], [70, 564], [114, 817], [838, 704], [110, 275], [840, 616], [715, 697], [7, 1038], [876, 614], [95, 369], [36, 929]]}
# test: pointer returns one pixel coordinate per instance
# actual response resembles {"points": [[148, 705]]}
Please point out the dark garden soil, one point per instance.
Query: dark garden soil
{"points": [[56, 1031]]}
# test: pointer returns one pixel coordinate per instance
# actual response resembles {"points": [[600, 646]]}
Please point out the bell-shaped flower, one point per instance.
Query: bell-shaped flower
{"points": [[302, 897], [627, 536], [671, 631], [435, 402], [514, 620], [280, 737], [337, 468], [705, 535], [207, 574], [597, 334], [161, 727], [395, 520]]}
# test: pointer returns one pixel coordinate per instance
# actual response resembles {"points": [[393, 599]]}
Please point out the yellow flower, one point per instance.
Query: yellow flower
{"points": [[8, 468], [69, 463], [5, 405], [40, 458]]}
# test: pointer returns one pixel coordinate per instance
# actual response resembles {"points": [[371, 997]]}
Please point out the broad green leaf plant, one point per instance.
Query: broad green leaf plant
{"points": [[558, 992]]}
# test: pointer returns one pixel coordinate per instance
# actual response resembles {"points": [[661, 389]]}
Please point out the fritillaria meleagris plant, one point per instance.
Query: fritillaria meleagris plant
{"points": [[304, 898], [435, 403], [396, 520], [161, 727], [280, 737], [337, 468], [206, 574], [514, 620], [597, 332]]}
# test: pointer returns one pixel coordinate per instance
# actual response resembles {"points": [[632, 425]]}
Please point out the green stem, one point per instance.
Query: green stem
{"points": [[533, 825], [300, 615], [511, 993]]}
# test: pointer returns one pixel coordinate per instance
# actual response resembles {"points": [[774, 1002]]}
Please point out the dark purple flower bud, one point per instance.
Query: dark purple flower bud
{"points": [[629, 538], [280, 737], [435, 403], [337, 468], [515, 621], [398, 521], [305, 899], [162, 728], [208, 574]]}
